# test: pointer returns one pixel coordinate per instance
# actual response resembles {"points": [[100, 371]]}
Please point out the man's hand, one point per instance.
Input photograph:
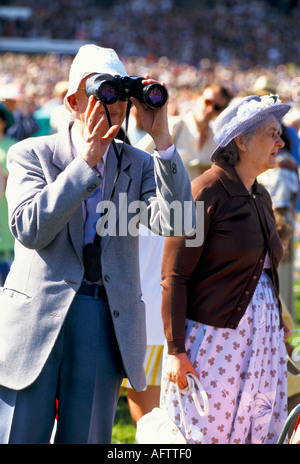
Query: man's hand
{"points": [[97, 134], [154, 120]]}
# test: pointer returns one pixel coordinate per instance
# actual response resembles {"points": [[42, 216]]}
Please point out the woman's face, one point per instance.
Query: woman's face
{"points": [[263, 146]]}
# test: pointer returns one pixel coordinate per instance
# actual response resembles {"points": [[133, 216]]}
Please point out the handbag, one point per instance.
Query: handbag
{"points": [[157, 427]]}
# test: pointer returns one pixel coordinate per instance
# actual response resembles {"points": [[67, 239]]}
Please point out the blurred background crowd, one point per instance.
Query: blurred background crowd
{"points": [[186, 43]]}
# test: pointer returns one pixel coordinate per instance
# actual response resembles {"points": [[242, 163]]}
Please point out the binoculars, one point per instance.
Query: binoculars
{"points": [[109, 89]]}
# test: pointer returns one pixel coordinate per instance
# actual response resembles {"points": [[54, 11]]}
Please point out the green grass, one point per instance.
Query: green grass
{"points": [[297, 302], [123, 430]]}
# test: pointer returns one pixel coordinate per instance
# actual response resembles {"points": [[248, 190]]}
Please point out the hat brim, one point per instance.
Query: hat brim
{"points": [[92, 59], [252, 123]]}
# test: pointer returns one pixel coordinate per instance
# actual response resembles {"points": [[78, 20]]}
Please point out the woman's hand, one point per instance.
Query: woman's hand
{"points": [[154, 120], [178, 365]]}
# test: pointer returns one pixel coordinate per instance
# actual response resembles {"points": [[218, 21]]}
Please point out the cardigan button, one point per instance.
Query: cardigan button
{"points": [[239, 308]]}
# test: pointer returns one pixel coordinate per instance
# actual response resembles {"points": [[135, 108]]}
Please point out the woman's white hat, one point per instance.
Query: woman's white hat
{"points": [[244, 115]]}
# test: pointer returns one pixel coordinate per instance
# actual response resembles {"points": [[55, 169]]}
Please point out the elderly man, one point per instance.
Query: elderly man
{"points": [[65, 335]]}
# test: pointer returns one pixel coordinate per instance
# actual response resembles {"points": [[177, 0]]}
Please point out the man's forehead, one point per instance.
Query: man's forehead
{"points": [[212, 92]]}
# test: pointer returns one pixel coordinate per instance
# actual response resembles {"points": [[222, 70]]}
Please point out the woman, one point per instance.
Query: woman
{"points": [[220, 308]]}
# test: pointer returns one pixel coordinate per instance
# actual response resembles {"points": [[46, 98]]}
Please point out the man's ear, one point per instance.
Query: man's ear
{"points": [[72, 102]]}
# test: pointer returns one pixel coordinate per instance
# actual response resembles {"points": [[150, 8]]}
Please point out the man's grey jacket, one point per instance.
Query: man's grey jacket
{"points": [[46, 189]]}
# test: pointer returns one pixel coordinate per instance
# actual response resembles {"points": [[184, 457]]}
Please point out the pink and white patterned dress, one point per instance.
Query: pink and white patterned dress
{"points": [[243, 372]]}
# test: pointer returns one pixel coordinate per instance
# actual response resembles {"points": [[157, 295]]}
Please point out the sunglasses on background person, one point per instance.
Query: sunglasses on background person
{"points": [[215, 106]]}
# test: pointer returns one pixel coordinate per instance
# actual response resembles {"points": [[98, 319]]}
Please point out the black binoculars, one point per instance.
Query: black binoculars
{"points": [[109, 89]]}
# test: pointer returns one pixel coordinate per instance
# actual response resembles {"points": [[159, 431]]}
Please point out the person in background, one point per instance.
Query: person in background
{"points": [[150, 256], [19, 105], [285, 232], [283, 185], [196, 139], [192, 133], [221, 309], [150, 251], [53, 115], [6, 238]]}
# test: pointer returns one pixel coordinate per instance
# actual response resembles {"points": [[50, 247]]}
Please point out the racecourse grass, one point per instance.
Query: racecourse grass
{"points": [[123, 430], [297, 303]]}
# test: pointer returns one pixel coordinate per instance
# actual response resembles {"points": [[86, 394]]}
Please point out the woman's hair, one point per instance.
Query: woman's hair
{"points": [[228, 155], [286, 138]]}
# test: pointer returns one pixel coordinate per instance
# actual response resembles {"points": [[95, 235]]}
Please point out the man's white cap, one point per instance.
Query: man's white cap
{"points": [[92, 59]]}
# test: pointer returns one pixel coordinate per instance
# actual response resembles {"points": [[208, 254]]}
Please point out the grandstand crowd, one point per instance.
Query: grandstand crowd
{"points": [[229, 41]]}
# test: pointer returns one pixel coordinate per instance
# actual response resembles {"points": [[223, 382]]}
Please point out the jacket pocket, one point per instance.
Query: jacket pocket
{"points": [[11, 293]]}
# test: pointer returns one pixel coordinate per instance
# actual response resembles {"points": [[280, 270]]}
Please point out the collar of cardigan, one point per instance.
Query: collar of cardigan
{"points": [[233, 183]]}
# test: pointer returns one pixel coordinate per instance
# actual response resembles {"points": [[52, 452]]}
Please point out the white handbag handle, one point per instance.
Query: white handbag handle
{"points": [[190, 389]]}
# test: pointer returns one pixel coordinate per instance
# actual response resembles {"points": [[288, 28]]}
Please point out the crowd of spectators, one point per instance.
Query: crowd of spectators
{"points": [[229, 41], [221, 30], [36, 76]]}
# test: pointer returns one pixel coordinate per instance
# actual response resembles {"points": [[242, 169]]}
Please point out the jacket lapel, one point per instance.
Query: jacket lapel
{"points": [[62, 153], [62, 157]]}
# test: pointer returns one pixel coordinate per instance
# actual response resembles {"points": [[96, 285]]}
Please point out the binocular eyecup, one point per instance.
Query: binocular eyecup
{"points": [[109, 89]]}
